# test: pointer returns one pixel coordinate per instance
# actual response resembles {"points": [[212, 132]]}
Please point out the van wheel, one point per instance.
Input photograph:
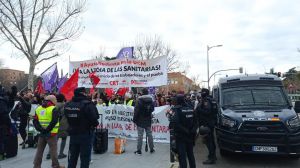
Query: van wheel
{"points": [[224, 153]]}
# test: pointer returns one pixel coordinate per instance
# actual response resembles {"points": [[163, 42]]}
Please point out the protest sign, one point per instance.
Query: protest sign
{"points": [[122, 72], [118, 120]]}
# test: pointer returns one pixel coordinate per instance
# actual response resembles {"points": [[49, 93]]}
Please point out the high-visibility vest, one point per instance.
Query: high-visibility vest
{"points": [[116, 102], [45, 117], [129, 103]]}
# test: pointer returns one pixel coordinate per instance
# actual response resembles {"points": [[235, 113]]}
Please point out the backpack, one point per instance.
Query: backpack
{"points": [[146, 108]]}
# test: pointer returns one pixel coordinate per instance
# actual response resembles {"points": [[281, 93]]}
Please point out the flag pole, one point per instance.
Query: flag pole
{"points": [[48, 68]]}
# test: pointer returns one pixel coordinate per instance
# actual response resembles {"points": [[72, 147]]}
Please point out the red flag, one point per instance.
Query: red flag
{"points": [[68, 88], [39, 88], [122, 91], [109, 91], [94, 80]]}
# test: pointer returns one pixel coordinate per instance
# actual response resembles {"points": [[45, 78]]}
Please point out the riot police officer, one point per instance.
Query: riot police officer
{"points": [[82, 117], [206, 113], [185, 126]]}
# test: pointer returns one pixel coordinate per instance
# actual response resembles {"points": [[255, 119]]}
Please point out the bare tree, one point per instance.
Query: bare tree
{"points": [[39, 29], [195, 79], [196, 82], [147, 47], [184, 67], [100, 54]]}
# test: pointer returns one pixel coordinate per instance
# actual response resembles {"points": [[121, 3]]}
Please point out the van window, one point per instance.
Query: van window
{"points": [[242, 96]]}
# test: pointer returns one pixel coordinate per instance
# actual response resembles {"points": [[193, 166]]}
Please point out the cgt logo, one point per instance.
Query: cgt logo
{"points": [[114, 83]]}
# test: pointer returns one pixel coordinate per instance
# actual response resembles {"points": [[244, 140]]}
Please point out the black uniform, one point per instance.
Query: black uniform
{"points": [[5, 122], [207, 118], [82, 116], [185, 126]]}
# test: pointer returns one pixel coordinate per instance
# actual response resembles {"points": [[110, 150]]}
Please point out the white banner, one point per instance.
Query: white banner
{"points": [[118, 120], [122, 72]]}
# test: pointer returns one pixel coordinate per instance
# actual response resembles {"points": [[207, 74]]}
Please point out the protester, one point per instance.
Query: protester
{"points": [[128, 100], [185, 126], [46, 122], [142, 118], [113, 100], [24, 107], [207, 118], [63, 124], [82, 116], [5, 122]]}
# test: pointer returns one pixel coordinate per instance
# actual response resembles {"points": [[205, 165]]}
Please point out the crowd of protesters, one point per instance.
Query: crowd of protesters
{"points": [[25, 99]]}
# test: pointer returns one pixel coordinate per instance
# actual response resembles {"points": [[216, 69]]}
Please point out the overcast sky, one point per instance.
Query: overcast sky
{"points": [[255, 34]]}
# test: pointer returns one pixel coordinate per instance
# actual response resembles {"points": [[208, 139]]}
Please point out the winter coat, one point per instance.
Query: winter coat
{"points": [[63, 122], [140, 118]]}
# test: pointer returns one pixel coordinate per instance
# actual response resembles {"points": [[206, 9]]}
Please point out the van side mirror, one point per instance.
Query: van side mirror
{"points": [[297, 106]]}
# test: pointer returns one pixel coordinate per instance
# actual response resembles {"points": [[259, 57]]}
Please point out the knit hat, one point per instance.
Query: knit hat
{"points": [[51, 98]]}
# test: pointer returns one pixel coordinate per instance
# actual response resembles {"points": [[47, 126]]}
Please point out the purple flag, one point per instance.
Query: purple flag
{"points": [[50, 76], [126, 52], [151, 90], [61, 82]]}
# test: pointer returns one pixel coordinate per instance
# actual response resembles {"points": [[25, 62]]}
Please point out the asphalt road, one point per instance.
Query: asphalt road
{"points": [[160, 159]]}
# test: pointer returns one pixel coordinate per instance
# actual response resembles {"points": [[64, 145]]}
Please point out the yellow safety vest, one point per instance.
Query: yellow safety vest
{"points": [[129, 103], [116, 102], [45, 117]]}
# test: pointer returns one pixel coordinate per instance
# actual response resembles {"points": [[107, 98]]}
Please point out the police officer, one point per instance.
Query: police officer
{"points": [[185, 126], [82, 116], [207, 118], [46, 122]]}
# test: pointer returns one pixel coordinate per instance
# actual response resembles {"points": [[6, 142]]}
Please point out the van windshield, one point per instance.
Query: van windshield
{"points": [[245, 96]]}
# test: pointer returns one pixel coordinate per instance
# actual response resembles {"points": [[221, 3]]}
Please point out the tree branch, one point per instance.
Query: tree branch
{"points": [[56, 29], [44, 59]]}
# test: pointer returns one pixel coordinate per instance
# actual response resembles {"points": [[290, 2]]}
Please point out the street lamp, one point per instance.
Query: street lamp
{"points": [[208, 48]]}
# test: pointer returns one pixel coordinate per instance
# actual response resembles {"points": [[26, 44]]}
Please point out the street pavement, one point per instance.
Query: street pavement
{"points": [[160, 159]]}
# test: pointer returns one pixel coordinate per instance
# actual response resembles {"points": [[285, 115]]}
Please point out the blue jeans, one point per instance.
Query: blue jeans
{"points": [[80, 145]]}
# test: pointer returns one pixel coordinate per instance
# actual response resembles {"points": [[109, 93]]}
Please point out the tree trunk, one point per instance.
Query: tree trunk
{"points": [[31, 76]]}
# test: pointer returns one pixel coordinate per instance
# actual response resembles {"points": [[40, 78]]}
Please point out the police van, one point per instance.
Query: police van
{"points": [[256, 116]]}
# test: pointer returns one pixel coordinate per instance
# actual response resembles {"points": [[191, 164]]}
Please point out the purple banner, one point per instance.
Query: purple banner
{"points": [[50, 76], [126, 52], [61, 82], [151, 90]]}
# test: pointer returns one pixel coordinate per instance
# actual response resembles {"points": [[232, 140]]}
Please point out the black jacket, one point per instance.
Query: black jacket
{"points": [[140, 118], [4, 112], [185, 123], [88, 118], [206, 115]]}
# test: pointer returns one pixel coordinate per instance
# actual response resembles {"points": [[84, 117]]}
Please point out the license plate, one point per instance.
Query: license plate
{"points": [[264, 149]]}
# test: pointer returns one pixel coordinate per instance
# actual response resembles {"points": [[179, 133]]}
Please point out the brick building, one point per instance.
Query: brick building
{"points": [[178, 82], [10, 77]]}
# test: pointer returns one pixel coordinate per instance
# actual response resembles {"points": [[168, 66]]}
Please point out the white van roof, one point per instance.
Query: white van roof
{"points": [[248, 77]]}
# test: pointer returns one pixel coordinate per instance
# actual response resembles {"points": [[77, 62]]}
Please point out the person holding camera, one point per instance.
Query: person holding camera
{"points": [[184, 123], [206, 113]]}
